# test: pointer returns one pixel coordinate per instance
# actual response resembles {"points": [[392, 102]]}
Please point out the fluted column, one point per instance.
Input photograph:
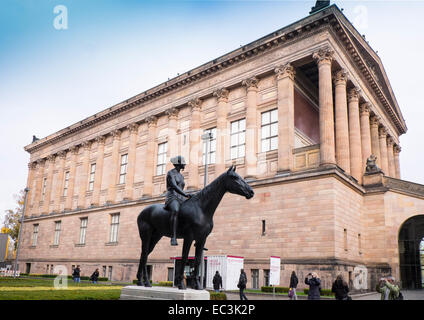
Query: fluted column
{"points": [[172, 136], [49, 183], [70, 194], [150, 154], [59, 182], [397, 149], [98, 175], [30, 182], [132, 154], [364, 111], [195, 144], [342, 125], [324, 59], [375, 141], [221, 129], [285, 103], [251, 85], [113, 173], [390, 157], [84, 174], [383, 150], [39, 185], [355, 144]]}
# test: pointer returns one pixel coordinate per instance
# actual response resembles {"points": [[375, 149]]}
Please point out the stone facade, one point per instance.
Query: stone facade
{"points": [[313, 206]]}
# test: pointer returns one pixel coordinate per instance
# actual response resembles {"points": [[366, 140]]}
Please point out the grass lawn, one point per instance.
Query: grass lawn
{"points": [[43, 289]]}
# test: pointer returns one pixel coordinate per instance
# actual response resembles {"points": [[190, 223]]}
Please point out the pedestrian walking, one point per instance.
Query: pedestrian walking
{"points": [[388, 289], [340, 289], [76, 275], [293, 285], [95, 276], [242, 284], [217, 281], [314, 283]]}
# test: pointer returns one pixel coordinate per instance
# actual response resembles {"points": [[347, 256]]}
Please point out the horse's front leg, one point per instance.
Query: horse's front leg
{"points": [[184, 257], [200, 244]]}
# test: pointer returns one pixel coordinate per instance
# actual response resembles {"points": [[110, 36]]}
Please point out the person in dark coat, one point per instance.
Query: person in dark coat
{"points": [[242, 284], [95, 276], [340, 288], [76, 274], [217, 281], [293, 285], [314, 286]]}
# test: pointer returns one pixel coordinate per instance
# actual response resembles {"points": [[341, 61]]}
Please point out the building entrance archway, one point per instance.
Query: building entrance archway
{"points": [[411, 253]]}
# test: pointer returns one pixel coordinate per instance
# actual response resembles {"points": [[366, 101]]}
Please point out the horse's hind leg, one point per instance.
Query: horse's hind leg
{"points": [[142, 267]]}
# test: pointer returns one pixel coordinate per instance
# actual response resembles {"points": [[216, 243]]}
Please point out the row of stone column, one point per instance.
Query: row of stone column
{"points": [[347, 142], [357, 132]]}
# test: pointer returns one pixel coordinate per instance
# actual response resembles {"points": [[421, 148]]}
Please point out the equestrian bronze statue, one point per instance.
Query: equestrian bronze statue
{"points": [[194, 216]]}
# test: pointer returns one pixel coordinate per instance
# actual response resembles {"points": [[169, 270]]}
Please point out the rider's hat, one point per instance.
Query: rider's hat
{"points": [[178, 160]]}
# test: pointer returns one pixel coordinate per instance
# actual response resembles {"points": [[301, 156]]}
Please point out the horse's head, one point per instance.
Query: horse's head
{"points": [[235, 184]]}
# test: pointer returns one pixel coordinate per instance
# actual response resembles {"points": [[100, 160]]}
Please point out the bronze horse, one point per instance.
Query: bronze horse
{"points": [[195, 223]]}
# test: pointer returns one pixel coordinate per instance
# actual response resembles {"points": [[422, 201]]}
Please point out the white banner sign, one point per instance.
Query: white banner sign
{"points": [[274, 271]]}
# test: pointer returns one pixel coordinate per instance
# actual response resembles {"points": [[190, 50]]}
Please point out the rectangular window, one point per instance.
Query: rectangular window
{"points": [[65, 185], [43, 193], [255, 279], [238, 135], [83, 230], [123, 171], [266, 278], [104, 271], [211, 147], [161, 165], [57, 226], [35, 235], [92, 175], [269, 130], [114, 225], [110, 273]]}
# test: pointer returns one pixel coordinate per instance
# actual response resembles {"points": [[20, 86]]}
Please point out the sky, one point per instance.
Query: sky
{"points": [[55, 72]]}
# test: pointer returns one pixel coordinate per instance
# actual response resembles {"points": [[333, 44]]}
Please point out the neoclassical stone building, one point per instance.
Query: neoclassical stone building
{"points": [[299, 112]]}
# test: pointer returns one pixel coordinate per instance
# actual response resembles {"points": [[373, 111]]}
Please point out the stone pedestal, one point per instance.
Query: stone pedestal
{"points": [[162, 293]]}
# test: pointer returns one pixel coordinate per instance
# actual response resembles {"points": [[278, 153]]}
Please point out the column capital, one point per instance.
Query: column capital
{"points": [[172, 113], [40, 162], [100, 139], [340, 77], [74, 149], [397, 149], [323, 56], [86, 145], [116, 134], [285, 70], [151, 120], [374, 120], [250, 83], [32, 165], [390, 141], [365, 108], [195, 104], [382, 132], [51, 158], [353, 94], [221, 94], [132, 127], [61, 154]]}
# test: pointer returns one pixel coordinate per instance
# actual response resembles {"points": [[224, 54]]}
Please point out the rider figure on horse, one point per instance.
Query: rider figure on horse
{"points": [[175, 194]]}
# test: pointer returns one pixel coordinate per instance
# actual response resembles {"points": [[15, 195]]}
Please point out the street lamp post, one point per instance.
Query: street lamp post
{"points": [[207, 137], [20, 232]]}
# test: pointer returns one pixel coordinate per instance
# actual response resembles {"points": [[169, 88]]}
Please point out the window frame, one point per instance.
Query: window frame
{"points": [[123, 168], [212, 147], [92, 176], [66, 184], [83, 230], [57, 229], [35, 231], [161, 158], [238, 134], [114, 228], [268, 126]]}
